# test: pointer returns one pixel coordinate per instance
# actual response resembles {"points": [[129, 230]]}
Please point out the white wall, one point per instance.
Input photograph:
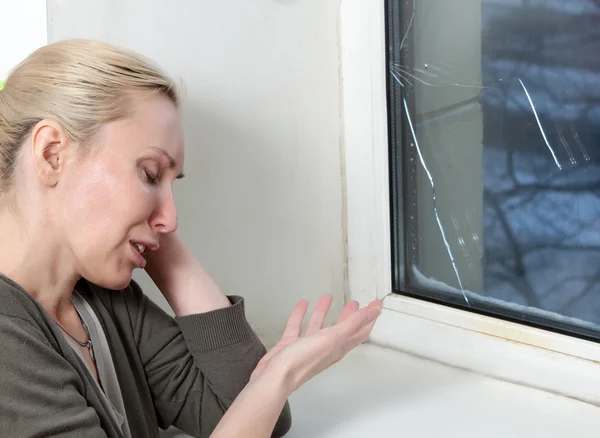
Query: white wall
{"points": [[261, 204], [22, 30]]}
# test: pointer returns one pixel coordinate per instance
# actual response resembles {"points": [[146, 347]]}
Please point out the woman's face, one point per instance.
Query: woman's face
{"points": [[117, 198]]}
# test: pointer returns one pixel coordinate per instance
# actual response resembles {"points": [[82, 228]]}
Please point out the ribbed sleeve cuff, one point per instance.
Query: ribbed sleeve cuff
{"points": [[217, 328]]}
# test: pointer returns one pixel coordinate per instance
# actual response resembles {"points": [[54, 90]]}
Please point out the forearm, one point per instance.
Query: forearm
{"points": [[256, 410], [182, 279]]}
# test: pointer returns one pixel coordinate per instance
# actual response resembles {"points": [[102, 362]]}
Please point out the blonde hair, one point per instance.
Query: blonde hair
{"points": [[82, 84]]}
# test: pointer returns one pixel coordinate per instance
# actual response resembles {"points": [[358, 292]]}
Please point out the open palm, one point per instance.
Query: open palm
{"points": [[319, 347]]}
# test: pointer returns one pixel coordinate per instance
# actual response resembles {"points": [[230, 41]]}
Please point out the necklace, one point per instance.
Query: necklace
{"points": [[87, 344]]}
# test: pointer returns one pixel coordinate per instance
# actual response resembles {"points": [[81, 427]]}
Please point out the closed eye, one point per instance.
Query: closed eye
{"points": [[150, 177]]}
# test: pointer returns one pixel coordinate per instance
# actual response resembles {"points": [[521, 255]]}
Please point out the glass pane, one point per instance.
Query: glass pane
{"points": [[495, 129]]}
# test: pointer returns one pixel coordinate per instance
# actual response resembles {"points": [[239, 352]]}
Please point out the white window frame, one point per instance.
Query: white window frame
{"points": [[505, 350]]}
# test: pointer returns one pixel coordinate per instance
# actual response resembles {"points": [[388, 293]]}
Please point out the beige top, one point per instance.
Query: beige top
{"points": [[109, 384]]}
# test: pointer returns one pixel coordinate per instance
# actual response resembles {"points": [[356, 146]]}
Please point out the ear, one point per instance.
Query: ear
{"points": [[50, 146]]}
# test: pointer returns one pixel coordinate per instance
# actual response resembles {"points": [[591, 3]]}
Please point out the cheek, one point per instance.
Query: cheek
{"points": [[105, 202], [99, 192]]}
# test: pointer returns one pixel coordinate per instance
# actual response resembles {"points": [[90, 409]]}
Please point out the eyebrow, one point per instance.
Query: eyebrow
{"points": [[172, 163]]}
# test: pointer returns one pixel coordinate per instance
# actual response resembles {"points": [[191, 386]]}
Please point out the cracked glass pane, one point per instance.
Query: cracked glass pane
{"points": [[494, 112]]}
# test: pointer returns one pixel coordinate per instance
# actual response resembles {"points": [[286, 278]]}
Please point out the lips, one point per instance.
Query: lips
{"points": [[140, 261], [144, 247], [139, 249]]}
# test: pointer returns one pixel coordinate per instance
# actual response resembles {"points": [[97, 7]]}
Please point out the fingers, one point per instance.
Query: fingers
{"points": [[360, 319], [359, 328], [375, 303], [348, 310], [294, 324], [362, 335], [317, 319], [353, 306]]}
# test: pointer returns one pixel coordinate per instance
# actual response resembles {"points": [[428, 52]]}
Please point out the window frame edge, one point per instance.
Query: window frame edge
{"points": [[513, 352]]}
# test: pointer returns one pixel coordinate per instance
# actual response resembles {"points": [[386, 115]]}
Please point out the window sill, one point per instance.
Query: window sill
{"points": [[377, 392], [503, 350]]}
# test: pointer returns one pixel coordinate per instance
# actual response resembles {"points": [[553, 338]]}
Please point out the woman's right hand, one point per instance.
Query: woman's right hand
{"points": [[301, 357]]}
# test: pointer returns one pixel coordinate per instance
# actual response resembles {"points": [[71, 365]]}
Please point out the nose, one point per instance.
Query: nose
{"points": [[164, 218]]}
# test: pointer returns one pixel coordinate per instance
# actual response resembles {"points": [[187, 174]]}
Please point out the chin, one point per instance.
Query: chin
{"points": [[114, 281]]}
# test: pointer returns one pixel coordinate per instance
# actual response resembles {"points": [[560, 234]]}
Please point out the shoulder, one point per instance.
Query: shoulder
{"points": [[24, 323], [17, 304], [20, 332], [32, 367], [25, 328]]}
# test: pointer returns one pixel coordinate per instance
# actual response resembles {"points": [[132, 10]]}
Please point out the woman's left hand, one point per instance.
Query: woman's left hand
{"points": [[293, 330]]}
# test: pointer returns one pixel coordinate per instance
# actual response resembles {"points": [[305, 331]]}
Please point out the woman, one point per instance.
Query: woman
{"points": [[90, 145]]}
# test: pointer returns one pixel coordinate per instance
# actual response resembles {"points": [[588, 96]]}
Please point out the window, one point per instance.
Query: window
{"points": [[494, 130]]}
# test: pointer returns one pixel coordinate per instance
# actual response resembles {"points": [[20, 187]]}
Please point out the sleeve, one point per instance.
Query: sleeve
{"points": [[196, 365], [39, 391]]}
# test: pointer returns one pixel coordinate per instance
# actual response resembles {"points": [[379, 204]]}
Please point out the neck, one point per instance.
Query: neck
{"points": [[36, 261]]}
